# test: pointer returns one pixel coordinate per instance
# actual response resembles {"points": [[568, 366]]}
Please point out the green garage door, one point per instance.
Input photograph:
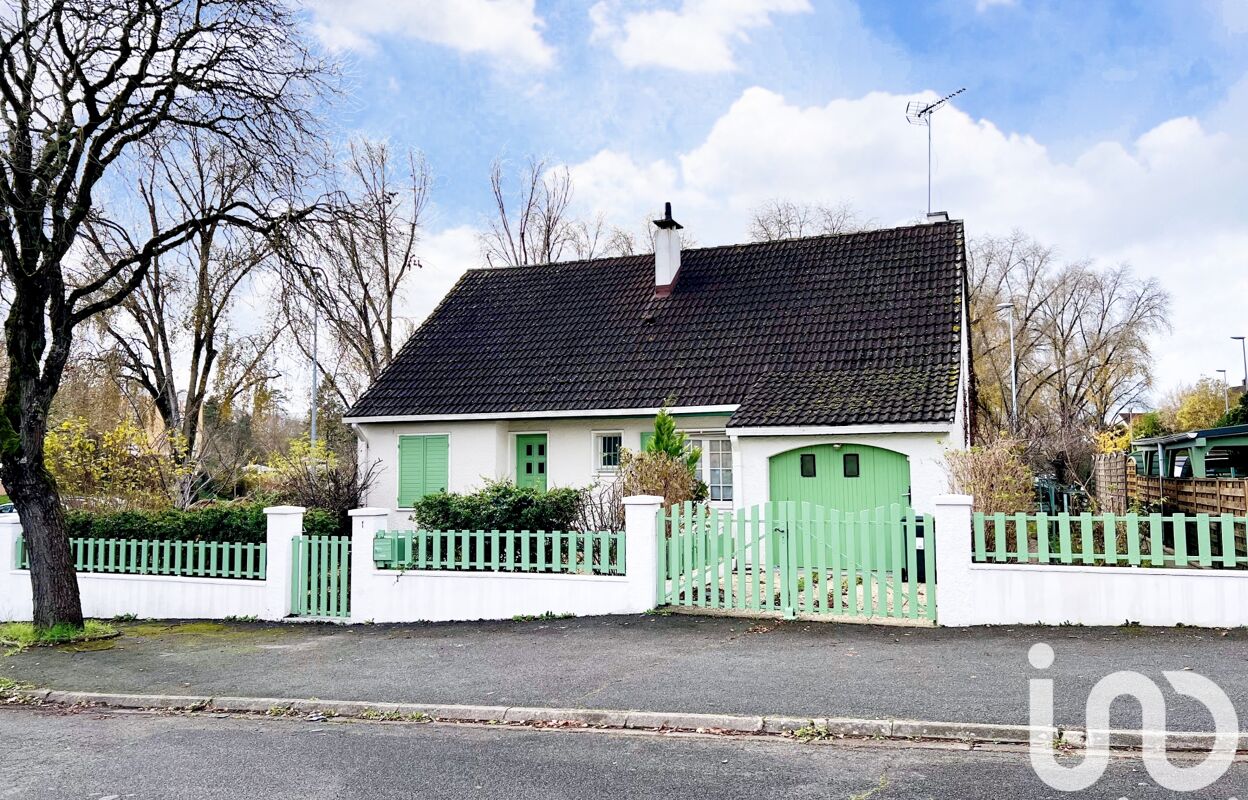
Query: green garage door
{"points": [[851, 477]]}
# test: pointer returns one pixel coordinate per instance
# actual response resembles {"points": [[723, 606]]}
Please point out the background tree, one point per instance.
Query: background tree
{"points": [[1193, 407], [168, 335], [86, 87], [1238, 414], [354, 265], [1081, 339], [533, 221], [786, 219]]}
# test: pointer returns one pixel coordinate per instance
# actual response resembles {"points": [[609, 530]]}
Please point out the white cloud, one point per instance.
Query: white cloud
{"points": [[983, 5], [508, 30], [1170, 202], [1235, 15], [696, 38]]}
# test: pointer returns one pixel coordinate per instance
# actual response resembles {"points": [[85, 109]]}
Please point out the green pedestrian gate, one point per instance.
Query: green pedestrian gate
{"points": [[799, 559], [320, 577]]}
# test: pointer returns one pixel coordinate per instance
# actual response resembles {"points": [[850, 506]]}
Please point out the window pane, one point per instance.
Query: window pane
{"points": [[609, 450], [808, 465], [851, 465], [718, 471]]}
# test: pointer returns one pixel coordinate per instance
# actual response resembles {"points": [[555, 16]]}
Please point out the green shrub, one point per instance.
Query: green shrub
{"points": [[221, 522], [501, 506], [319, 522]]}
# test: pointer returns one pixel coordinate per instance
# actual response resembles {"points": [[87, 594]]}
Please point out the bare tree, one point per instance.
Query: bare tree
{"points": [[353, 266], [785, 219], [85, 86], [1081, 342], [167, 335], [533, 222]]}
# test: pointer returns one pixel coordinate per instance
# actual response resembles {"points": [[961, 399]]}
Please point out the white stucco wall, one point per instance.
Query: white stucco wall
{"points": [[925, 451], [487, 449], [476, 450]]}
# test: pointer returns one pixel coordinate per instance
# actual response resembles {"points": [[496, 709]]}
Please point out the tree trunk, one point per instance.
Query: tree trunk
{"points": [[54, 582]]}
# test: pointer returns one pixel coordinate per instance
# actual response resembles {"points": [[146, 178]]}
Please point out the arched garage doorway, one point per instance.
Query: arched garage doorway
{"points": [[847, 477]]}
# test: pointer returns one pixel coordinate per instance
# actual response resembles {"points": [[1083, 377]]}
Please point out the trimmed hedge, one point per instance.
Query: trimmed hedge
{"points": [[500, 506], [225, 522]]}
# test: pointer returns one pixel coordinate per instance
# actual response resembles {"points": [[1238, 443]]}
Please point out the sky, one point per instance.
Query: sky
{"points": [[1115, 132]]}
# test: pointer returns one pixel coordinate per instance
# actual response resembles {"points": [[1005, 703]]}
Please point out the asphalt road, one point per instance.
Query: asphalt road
{"points": [[670, 664], [49, 754]]}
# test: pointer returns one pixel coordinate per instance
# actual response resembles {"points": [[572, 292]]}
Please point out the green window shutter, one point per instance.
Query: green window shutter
{"points": [[437, 464], [646, 437], [424, 464], [411, 470]]}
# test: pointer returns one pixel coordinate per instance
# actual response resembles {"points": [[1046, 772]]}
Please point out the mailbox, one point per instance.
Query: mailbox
{"points": [[385, 549]]}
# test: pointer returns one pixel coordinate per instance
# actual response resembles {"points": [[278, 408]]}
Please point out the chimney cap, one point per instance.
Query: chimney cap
{"points": [[938, 216], [667, 221]]}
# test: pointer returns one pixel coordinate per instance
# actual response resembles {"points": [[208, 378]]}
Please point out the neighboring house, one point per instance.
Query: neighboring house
{"points": [[829, 369]]}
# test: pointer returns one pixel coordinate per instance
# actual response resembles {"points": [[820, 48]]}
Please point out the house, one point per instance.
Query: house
{"points": [[829, 369]]}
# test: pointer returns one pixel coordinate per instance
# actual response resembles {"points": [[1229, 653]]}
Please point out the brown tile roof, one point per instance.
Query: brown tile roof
{"points": [[858, 328]]}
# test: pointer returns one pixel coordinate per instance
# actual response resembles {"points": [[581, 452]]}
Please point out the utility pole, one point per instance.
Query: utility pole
{"points": [[1226, 391], [1013, 370]]}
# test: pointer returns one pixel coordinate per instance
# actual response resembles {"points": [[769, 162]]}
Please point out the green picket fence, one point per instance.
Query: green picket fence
{"points": [[320, 576], [569, 552], [1136, 540], [245, 561], [791, 558]]}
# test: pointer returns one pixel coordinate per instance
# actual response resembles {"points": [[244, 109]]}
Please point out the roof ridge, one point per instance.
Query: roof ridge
{"points": [[588, 262]]}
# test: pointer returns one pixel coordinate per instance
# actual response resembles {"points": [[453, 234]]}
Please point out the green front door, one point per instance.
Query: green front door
{"points": [[531, 460], [851, 477]]}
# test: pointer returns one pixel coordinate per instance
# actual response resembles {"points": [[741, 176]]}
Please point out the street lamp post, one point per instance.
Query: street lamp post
{"points": [[315, 371], [1226, 391], [317, 274], [1243, 351], [1013, 370]]}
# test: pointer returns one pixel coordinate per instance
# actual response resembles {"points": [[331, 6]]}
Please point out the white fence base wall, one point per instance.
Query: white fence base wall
{"points": [[146, 596], [441, 596], [1052, 595], [1026, 594], [106, 595], [447, 596]]}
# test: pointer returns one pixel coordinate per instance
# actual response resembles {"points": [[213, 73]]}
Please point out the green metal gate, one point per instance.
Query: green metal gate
{"points": [[799, 559], [320, 576]]}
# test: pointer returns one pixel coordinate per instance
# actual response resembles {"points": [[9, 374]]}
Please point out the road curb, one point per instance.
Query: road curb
{"points": [[804, 728]]}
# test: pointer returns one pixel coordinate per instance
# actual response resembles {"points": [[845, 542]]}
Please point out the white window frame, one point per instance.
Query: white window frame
{"points": [[701, 439], [598, 467]]}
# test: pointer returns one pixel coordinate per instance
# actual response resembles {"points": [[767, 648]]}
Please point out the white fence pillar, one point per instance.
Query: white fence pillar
{"points": [[15, 598], [641, 537], [954, 595], [284, 524], [366, 523]]}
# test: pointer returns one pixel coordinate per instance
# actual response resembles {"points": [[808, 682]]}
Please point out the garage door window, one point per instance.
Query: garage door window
{"points": [[851, 465], [808, 465]]}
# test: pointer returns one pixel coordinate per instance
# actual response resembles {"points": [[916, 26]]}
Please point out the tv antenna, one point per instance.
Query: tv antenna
{"points": [[920, 113]]}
